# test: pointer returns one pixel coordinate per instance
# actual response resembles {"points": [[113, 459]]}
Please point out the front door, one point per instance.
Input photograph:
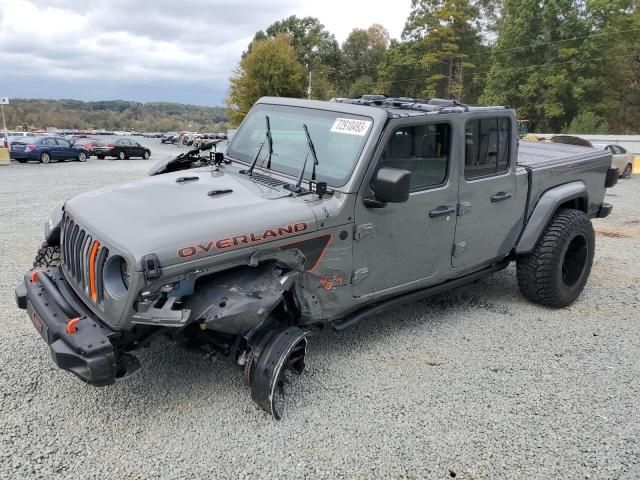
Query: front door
{"points": [[65, 149], [489, 217], [407, 245]]}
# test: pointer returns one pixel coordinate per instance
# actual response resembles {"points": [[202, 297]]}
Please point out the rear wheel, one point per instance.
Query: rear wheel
{"points": [[121, 155], [146, 155], [47, 256], [100, 157], [628, 169], [82, 157], [555, 273], [45, 157]]}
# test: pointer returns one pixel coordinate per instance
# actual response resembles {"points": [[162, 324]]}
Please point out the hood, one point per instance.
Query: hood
{"points": [[179, 220]]}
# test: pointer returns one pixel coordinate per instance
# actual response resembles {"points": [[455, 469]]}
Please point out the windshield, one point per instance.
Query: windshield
{"points": [[338, 139]]}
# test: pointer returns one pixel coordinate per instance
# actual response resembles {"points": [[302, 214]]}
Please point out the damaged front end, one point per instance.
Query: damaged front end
{"points": [[247, 315]]}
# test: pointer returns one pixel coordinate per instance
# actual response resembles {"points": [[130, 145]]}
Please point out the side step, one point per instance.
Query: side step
{"points": [[416, 296]]}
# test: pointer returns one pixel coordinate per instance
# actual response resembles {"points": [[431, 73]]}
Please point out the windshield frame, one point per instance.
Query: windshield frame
{"points": [[348, 176]]}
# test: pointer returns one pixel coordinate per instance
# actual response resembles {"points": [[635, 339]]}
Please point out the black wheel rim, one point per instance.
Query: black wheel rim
{"points": [[575, 260]]}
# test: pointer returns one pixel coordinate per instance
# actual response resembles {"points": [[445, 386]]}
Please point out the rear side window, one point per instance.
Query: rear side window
{"points": [[421, 149], [487, 147]]}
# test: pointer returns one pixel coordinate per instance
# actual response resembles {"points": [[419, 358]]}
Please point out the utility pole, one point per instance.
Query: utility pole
{"points": [[309, 84], [4, 101]]}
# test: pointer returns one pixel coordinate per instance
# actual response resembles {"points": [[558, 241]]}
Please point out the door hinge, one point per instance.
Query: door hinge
{"points": [[463, 207], [363, 230], [359, 275], [458, 249]]}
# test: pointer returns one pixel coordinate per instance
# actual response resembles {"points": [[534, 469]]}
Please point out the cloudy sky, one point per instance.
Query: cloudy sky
{"points": [[148, 50]]}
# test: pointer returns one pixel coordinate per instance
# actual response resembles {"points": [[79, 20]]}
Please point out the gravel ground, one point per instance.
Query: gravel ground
{"points": [[476, 384]]}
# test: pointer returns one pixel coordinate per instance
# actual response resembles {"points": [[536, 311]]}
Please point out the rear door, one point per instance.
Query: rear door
{"points": [[408, 245], [50, 145], [489, 219]]}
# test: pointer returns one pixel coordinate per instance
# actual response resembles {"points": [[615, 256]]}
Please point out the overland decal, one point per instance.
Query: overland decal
{"points": [[239, 240]]}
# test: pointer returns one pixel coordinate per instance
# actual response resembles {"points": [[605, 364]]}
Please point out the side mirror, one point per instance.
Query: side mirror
{"points": [[391, 185]]}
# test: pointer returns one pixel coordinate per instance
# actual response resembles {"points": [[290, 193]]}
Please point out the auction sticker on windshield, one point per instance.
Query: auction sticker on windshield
{"points": [[351, 126]]}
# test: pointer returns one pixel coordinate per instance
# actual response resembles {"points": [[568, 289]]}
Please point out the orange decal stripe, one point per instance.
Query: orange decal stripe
{"points": [[92, 270]]}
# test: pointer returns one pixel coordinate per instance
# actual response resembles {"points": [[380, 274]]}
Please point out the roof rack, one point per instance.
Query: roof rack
{"points": [[434, 105]]}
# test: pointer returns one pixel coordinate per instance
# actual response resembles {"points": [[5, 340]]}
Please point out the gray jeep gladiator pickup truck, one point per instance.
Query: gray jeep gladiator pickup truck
{"points": [[319, 213]]}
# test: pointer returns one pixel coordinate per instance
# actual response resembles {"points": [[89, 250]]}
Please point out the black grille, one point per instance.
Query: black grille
{"points": [[83, 258]]}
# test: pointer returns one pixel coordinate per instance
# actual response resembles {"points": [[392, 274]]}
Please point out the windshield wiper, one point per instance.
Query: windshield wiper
{"points": [[269, 142], [255, 160], [312, 151]]}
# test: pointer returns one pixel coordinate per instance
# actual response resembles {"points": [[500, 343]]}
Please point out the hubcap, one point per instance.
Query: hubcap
{"points": [[575, 260], [45, 158]]}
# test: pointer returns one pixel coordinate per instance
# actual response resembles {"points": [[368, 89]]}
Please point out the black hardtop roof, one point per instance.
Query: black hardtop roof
{"points": [[405, 106]]}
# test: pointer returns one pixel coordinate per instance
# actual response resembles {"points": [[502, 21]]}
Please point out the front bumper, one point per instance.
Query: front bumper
{"points": [[78, 341]]}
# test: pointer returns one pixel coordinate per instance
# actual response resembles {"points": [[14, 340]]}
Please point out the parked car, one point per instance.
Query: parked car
{"points": [[86, 143], [622, 159], [46, 149], [12, 137], [123, 148], [169, 137], [325, 214]]}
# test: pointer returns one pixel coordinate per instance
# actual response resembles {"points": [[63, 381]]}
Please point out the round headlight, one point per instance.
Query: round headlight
{"points": [[116, 276]]}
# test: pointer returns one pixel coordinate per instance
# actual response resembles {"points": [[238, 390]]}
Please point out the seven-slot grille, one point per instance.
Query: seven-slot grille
{"points": [[84, 258]]}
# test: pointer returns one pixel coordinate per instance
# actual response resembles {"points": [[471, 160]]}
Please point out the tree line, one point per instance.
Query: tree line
{"points": [[566, 65], [114, 115]]}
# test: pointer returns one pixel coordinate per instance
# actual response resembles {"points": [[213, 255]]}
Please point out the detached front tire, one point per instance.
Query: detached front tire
{"points": [[47, 256], [556, 271]]}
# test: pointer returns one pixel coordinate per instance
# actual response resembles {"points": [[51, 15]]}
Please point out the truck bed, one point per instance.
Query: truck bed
{"points": [[549, 165]]}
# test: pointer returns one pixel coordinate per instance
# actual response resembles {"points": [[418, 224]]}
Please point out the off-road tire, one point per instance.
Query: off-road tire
{"points": [[47, 256], [556, 271]]}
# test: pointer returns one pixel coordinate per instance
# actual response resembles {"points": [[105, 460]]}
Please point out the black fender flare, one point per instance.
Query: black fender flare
{"points": [[52, 226], [544, 210]]}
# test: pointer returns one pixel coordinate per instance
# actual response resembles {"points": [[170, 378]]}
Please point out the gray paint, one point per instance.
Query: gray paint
{"points": [[373, 253]]}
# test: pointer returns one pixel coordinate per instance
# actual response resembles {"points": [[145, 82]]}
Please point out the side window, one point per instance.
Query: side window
{"points": [[49, 141], [421, 149], [63, 143], [487, 147]]}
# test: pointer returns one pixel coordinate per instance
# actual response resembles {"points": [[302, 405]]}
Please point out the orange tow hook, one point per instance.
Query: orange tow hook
{"points": [[34, 276], [71, 325]]}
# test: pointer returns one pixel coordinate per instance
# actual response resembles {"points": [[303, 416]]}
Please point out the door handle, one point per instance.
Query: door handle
{"points": [[500, 196], [441, 211]]}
